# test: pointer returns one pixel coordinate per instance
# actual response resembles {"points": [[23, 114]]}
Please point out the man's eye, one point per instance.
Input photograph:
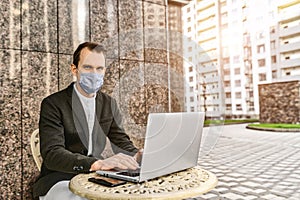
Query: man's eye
{"points": [[87, 67], [100, 68]]}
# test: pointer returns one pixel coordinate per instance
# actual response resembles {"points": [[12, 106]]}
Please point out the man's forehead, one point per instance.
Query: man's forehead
{"points": [[87, 55], [86, 52]]}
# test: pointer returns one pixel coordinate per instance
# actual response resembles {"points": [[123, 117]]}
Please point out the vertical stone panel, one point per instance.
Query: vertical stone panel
{"points": [[175, 38], [132, 99], [155, 32], [157, 87], [39, 79], [65, 75], [131, 30], [10, 125], [73, 20], [111, 79], [39, 25], [104, 25], [10, 24], [132, 91]]}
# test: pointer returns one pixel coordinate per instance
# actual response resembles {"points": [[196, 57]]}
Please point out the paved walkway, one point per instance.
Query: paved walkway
{"points": [[253, 164]]}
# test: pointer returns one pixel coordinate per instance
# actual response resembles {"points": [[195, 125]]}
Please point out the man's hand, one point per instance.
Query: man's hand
{"points": [[138, 156], [120, 161]]}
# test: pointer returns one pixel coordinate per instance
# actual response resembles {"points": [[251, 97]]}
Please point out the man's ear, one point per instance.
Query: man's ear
{"points": [[74, 69]]}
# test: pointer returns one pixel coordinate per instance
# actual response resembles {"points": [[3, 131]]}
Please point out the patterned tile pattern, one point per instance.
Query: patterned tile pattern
{"points": [[253, 164]]}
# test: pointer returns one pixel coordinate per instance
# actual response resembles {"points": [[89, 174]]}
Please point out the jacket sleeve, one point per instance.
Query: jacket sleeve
{"points": [[120, 141], [52, 142]]}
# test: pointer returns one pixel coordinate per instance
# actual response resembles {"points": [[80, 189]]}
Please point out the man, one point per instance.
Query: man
{"points": [[73, 127]]}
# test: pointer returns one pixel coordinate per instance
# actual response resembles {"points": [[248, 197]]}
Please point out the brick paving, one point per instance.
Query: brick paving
{"points": [[252, 165]]}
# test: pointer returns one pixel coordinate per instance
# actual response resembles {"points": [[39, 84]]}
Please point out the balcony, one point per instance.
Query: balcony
{"points": [[205, 4], [290, 47], [204, 14], [207, 35], [289, 16], [286, 31], [290, 63], [206, 24]]}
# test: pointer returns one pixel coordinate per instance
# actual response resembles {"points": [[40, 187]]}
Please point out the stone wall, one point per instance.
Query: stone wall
{"points": [[38, 38], [280, 102]]}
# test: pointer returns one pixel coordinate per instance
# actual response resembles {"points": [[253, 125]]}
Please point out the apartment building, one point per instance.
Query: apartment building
{"points": [[288, 53], [233, 46]]}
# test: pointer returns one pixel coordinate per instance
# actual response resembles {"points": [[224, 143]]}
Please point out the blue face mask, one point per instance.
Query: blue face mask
{"points": [[91, 82]]}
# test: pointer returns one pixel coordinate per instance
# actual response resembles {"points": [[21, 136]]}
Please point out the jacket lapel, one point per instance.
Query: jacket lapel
{"points": [[79, 117], [99, 137]]}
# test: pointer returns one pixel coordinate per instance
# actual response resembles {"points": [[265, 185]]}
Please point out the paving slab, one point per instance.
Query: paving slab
{"points": [[252, 164]]}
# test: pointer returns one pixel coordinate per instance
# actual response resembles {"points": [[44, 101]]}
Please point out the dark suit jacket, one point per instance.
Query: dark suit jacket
{"points": [[64, 136]]}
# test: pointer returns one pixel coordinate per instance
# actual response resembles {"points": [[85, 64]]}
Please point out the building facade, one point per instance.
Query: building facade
{"points": [[233, 46]]}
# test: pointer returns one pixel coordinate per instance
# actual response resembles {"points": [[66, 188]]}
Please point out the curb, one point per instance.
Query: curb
{"points": [[296, 130]]}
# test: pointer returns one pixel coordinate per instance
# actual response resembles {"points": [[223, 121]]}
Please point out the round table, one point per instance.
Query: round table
{"points": [[178, 185]]}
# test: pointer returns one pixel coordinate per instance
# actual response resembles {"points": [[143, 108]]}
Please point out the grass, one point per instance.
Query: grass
{"points": [[285, 126], [229, 121]]}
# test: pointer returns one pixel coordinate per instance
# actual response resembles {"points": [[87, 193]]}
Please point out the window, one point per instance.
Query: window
{"points": [[191, 79], [188, 9], [237, 71], [261, 34], [274, 74], [189, 29], [189, 19], [192, 89], [192, 109], [250, 106], [190, 49], [227, 83], [225, 60], [251, 93], [190, 69], [261, 62], [226, 72], [238, 107], [272, 44], [228, 106], [273, 59], [237, 83], [190, 59], [262, 77], [238, 95], [236, 59], [228, 95], [261, 48], [191, 99]]}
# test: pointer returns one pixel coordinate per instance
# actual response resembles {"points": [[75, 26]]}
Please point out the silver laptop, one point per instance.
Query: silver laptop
{"points": [[172, 144]]}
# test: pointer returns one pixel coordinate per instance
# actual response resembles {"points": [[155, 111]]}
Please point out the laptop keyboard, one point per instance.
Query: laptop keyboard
{"points": [[131, 173]]}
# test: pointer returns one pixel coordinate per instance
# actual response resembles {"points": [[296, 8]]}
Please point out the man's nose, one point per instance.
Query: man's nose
{"points": [[94, 70]]}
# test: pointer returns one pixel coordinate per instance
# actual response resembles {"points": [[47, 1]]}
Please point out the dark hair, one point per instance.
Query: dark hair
{"points": [[92, 46]]}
